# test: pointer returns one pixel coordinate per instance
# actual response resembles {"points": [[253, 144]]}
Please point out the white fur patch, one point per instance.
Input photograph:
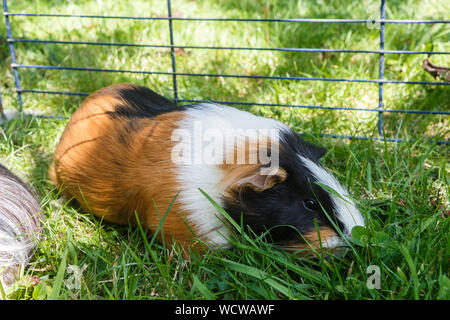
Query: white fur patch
{"points": [[346, 211], [19, 223], [333, 242], [202, 214]]}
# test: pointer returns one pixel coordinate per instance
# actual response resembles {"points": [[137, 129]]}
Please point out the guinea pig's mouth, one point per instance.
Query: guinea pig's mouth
{"points": [[334, 245]]}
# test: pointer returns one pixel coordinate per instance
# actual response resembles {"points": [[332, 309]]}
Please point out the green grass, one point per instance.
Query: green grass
{"points": [[401, 188]]}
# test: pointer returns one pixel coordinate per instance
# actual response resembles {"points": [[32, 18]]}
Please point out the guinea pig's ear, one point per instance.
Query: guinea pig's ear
{"points": [[259, 182], [316, 152]]}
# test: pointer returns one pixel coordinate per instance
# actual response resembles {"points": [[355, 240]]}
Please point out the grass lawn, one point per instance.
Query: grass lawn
{"points": [[401, 188]]}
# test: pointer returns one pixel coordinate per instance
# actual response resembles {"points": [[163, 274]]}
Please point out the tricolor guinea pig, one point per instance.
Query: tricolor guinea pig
{"points": [[128, 150], [20, 225]]}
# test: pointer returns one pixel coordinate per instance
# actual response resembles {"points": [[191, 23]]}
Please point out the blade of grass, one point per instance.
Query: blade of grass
{"points": [[222, 211], [412, 269], [203, 289], [258, 274], [57, 284]]}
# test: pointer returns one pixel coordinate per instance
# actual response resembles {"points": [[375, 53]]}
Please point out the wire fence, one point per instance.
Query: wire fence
{"points": [[380, 81]]}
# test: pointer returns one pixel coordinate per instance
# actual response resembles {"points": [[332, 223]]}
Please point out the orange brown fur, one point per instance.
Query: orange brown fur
{"points": [[239, 175], [113, 180]]}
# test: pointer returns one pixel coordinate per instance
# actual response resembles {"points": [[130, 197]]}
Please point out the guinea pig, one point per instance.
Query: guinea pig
{"points": [[20, 225], [128, 150]]}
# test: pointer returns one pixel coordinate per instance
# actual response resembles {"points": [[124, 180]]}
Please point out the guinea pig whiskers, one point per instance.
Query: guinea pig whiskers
{"points": [[306, 248]]}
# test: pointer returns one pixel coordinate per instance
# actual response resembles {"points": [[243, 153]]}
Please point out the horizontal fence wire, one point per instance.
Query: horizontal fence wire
{"points": [[45, 67], [381, 109], [374, 21], [222, 47], [85, 94]]}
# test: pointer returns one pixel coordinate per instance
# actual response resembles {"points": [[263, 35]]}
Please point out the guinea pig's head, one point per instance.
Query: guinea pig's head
{"points": [[299, 205]]}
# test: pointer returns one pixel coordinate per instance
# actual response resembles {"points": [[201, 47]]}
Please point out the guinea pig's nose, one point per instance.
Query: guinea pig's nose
{"points": [[339, 245], [340, 251]]}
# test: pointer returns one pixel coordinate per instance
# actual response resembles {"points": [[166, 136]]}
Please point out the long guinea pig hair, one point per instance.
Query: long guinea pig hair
{"points": [[128, 150], [20, 225]]}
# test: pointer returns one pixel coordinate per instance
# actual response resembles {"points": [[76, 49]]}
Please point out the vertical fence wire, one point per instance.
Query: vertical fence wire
{"points": [[172, 53], [13, 55], [174, 73], [381, 71]]}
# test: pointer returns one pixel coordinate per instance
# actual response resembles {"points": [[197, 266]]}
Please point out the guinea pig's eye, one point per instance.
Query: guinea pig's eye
{"points": [[310, 204]]}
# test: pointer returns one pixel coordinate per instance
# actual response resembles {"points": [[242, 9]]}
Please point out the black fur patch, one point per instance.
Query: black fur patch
{"points": [[299, 146], [140, 102]]}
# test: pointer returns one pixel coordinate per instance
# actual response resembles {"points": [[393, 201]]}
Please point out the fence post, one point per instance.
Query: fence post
{"points": [[381, 72], [172, 52], [13, 55]]}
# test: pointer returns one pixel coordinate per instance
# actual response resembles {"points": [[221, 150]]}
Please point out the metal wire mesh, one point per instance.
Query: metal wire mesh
{"points": [[382, 21]]}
